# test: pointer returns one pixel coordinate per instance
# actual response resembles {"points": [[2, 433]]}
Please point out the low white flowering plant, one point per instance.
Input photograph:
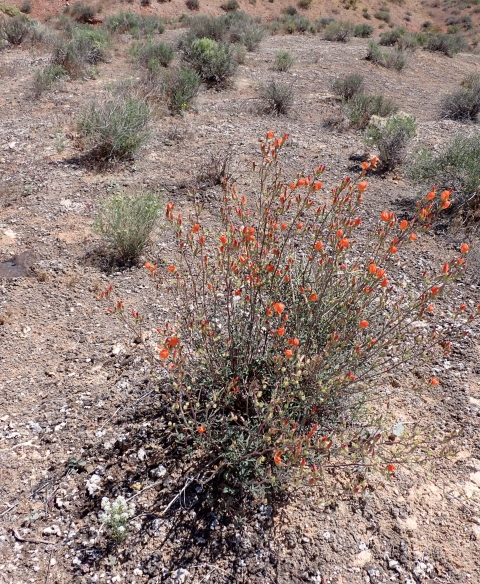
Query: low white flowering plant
{"points": [[116, 515]]}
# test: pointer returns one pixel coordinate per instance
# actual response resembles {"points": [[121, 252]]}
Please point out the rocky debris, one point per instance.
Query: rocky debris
{"points": [[19, 266]]}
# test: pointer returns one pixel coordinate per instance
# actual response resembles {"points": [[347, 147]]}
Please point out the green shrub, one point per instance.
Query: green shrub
{"points": [[349, 86], [463, 104], [304, 4], [136, 24], [276, 98], [193, 4], [322, 23], [26, 7], [46, 77], [363, 31], [457, 165], [230, 5], [338, 31], [87, 47], [391, 37], [395, 59], [15, 29], [152, 55], [243, 29], [283, 61], [115, 127], [181, 88], [391, 136], [82, 12], [383, 15], [208, 27], [126, 222], [268, 375], [240, 53], [448, 44], [41, 34], [214, 62], [9, 10], [290, 11], [361, 108]]}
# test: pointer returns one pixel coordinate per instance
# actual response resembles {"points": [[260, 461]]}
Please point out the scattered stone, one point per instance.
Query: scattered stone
{"points": [[52, 530], [93, 484], [159, 472], [19, 266], [179, 576]]}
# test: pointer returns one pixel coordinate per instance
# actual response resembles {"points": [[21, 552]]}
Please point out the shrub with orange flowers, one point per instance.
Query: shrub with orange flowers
{"points": [[286, 322]]}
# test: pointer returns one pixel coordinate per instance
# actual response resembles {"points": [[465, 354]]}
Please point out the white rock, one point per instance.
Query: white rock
{"points": [[180, 576], [52, 530], [93, 484]]}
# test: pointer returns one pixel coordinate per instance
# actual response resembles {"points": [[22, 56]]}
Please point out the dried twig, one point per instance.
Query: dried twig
{"points": [[28, 540], [8, 510]]}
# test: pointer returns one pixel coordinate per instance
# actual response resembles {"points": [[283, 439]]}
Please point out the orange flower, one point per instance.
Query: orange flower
{"points": [[362, 186], [270, 135], [317, 186], [201, 430], [413, 236], [283, 226], [164, 353], [270, 268], [464, 247], [196, 228], [393, 249], [344, 243], [365, 165], [288, 352], [403, 224], [364, 324], [223, 239], [384, 283], [386, 216], [171, 268], [299, 225], [318, 245], [372, 268], [295, 342], [445, 205], [293, 185], [463, 306], [430, 308], [313, 297], [435, 290], [172, 342], [150, 267], [201, 239], [238, 292], [281, 331], [431, 195], [380, 272], [278, 307], [301, 182], [340, 233], [391, 468], [277, 459], [434, 381], [445, 195]]}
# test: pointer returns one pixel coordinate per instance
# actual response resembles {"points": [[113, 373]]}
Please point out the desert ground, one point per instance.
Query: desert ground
{"points": [[78, 402]]}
